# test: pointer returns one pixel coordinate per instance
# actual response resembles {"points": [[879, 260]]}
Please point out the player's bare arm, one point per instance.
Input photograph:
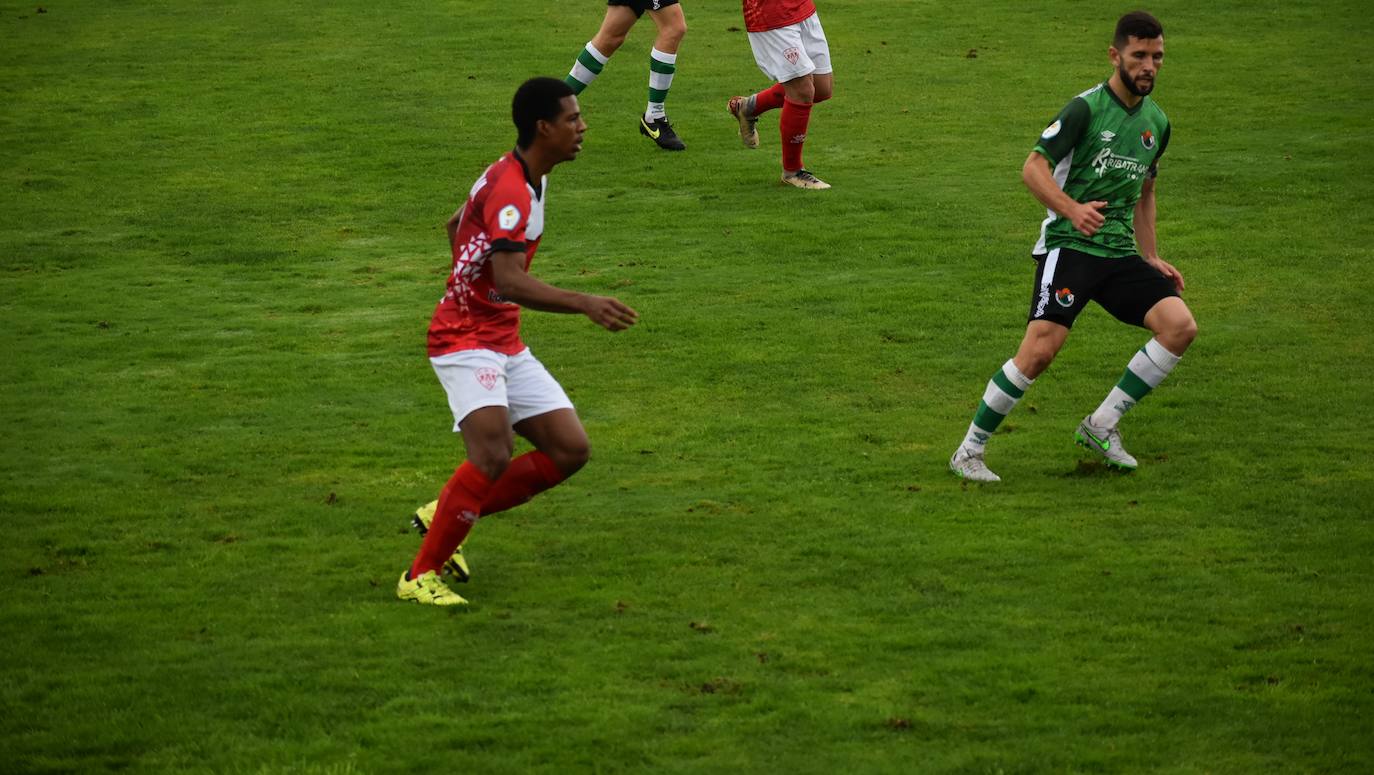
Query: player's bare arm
{"points": [[517, 285], [1085, 216], [452, 225], [1145, 237]]}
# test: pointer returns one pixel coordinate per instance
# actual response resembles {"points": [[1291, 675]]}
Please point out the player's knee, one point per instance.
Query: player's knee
{"points": [[1035, 358], [571, 456], [674, 31], [1183, 333], [823, 93], [608, 42], [491, 458]]}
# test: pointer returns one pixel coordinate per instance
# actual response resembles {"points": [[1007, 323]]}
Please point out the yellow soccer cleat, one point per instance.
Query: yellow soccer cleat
{"points": [[427, 589], [457, 565]]}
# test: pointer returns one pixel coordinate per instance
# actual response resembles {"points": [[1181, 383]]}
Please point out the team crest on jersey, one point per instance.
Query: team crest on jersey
{"points": [[792, 55], [1064, 296], [487, 377], [509, 216], [1147, 139], [1052, 130]]}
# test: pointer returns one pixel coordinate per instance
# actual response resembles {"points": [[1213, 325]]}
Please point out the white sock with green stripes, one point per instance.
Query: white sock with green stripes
{"points": [[1004, 389], [1148, 367], [661, 69], [586, 68]]}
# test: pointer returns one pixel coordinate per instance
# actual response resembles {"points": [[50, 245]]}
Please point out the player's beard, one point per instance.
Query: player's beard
{"points": [[1131, 85]]}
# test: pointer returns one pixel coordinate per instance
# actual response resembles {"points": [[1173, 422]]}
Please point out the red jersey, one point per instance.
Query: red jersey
{"points": [[504, 212], [765, 15]]}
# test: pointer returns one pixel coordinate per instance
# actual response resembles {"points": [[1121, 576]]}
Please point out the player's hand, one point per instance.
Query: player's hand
{"points": [[610, 313], [1167, 269], [1087, 218]]}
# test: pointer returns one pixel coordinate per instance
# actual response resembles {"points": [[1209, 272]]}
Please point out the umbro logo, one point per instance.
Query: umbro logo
{"points": [[1108, 136]]}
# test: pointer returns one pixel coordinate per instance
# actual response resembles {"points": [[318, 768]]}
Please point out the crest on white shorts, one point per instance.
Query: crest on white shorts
{"points": [[792, 55], [487, 376]]}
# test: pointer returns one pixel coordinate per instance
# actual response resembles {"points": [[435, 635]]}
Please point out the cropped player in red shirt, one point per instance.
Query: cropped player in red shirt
{"points": [[494, 385], [790, 47]]}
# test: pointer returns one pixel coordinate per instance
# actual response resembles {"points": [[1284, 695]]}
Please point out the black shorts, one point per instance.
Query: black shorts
{"points": [[640, 6], [1066, 280]]}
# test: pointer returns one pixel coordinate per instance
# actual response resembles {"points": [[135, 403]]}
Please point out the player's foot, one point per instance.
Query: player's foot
{"points": [[748, 125], [661, 132], [427, 589], [1105, 442], [457, 565], [967, 464], [804, 179]]}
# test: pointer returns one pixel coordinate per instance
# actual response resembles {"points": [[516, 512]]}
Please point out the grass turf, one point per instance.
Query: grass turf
{"points": [[221, 244]]}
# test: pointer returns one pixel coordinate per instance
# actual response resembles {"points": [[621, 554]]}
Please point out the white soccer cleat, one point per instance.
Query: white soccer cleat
{"points": [[804, 179], [969, 465], [1105, 442]]}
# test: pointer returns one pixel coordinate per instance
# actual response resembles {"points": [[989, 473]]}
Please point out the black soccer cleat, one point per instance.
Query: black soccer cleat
{"points": [[661, 132]]}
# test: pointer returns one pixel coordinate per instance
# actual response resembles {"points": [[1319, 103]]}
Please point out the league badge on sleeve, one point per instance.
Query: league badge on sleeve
{"points": [[1052, 130], [509, 217]]}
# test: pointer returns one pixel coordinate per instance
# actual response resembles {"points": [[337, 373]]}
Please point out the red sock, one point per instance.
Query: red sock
{"points": [[459, 506], [792, 126], [525, 477], [769, 99]]}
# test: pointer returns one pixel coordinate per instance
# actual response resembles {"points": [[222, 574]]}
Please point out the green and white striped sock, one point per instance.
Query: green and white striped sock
{"points": [[661, 69], [1148, 367], [586, 68], [1003, 392]]}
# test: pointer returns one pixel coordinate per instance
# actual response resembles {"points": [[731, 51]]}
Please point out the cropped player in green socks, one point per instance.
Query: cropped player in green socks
{"points": [[621, 15], [1094, 167]]}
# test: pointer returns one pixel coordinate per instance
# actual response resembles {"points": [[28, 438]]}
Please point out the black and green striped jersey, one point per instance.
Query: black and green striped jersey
{"points": [[1102, 150]]}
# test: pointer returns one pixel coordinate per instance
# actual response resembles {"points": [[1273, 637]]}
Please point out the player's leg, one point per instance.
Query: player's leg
{"points": [[672, 26], [1139, 295], [620, 17], [801, 95], [541, 413], [1042, 341], [475, 383], [776, 54], [1047, 328], [824, 84], [487, 437], [747, 110]]}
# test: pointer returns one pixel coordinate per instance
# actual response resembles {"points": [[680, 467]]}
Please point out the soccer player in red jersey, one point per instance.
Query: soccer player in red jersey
{"points": [[494, 385], [790, 47]]}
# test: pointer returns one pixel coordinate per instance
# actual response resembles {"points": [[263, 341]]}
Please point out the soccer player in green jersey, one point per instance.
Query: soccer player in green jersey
{"points": [[621, 15], [1094, 167]]}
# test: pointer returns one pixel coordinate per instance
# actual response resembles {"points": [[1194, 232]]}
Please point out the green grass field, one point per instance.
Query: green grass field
{"points": [[220, 245]]}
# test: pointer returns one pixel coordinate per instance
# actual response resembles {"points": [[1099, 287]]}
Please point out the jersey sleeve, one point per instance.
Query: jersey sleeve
{"points": [[1163, 143], [506, 213], [1062, 135]]}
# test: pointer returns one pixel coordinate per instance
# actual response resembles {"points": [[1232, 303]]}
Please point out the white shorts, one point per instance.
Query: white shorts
{"points": [[792, 51], [477, 378]]}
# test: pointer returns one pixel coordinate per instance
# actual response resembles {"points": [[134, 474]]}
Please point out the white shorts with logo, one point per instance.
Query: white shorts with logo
{"points": [[474, 379], [792, 51]]}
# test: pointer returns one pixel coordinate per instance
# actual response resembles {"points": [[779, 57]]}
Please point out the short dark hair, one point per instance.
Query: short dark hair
{"points": [[538, 99], [1136, 24]]}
